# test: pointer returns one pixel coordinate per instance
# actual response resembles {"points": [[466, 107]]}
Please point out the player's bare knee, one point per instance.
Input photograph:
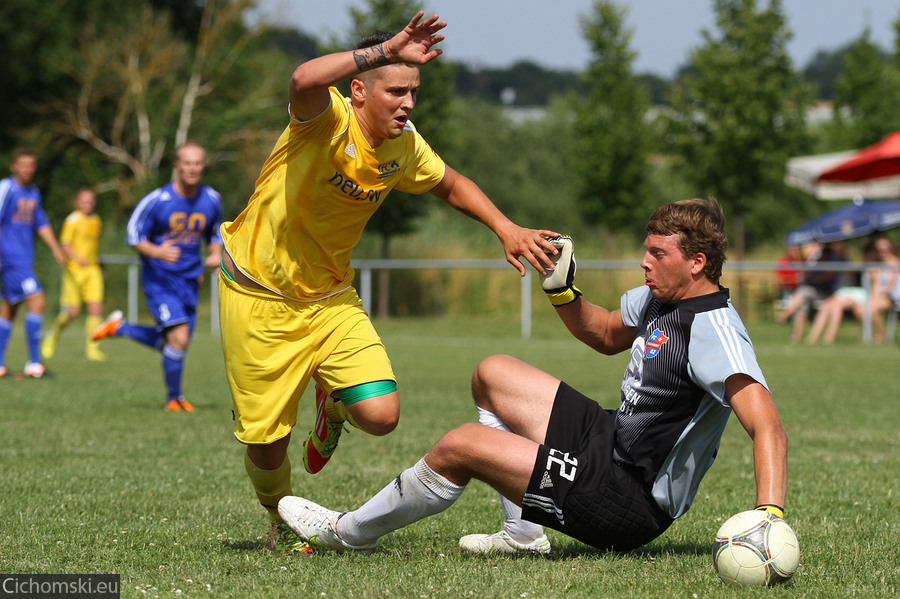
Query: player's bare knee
{"points": [[270, 456], [452, 450], [381, 427], [486, 376], [375, 418]]}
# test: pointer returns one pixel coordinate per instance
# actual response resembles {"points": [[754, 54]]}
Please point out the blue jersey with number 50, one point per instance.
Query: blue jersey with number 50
{"points": [[164, 215]]}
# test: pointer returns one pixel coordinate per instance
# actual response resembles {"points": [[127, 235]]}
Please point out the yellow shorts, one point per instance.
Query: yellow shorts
{"points": [[273, 347], [81, 284]]}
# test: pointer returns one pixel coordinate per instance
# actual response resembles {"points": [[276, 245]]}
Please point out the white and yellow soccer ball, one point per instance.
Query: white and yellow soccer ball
{"points": [[755, 548]]}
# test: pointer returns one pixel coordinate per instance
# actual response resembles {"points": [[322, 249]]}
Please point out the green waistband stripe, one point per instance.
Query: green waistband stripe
{"points": [[225, 272]]}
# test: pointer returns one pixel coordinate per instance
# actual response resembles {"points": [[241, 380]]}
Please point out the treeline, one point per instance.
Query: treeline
{"points": [[536, 85], [105, 90]]}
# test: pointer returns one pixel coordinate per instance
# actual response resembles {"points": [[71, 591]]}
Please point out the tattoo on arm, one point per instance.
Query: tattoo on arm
{"points": [[370, 58]]}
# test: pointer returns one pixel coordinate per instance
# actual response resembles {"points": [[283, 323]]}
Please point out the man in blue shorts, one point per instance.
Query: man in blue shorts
{"points": [[614, 479], [168, 228], [21, 217]]}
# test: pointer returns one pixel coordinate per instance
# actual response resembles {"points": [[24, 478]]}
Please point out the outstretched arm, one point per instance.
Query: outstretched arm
{"points": [[47, 236], [596, 327], [310, 82], [753, 405], [464, 195]]}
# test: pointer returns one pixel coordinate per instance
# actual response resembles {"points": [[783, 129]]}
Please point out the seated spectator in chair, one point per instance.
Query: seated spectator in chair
{"points": [[848, 298], [885, 285], [787, 278], [814, 287]]}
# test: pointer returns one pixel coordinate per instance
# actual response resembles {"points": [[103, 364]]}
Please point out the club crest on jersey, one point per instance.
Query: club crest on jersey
{"points": [[655, 343], [387, 169]]}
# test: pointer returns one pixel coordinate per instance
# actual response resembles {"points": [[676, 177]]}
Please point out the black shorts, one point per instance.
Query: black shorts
{"points": [[577, 488]]}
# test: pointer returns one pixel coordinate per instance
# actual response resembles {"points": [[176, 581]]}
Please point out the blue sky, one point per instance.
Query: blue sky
{"points": [[499, 32]]}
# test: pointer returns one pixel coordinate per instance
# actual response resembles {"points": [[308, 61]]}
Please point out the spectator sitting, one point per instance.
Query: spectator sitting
{"points": [[786, 276], [815, 285], [885, 285], [848, 298]]}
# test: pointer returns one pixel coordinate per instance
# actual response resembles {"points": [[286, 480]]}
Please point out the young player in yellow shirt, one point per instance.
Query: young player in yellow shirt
{"points": [[287, 308], [82, 280]]}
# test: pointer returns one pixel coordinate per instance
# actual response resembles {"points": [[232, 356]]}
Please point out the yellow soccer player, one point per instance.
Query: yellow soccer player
{"points": [[82, 278], [288, 311]]}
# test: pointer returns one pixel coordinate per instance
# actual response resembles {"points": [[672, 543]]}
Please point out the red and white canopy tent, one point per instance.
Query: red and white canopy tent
{"points": [[871, 173]]}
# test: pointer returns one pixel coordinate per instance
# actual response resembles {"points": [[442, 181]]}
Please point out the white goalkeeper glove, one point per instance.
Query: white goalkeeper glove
{"points": [[558, 282]]}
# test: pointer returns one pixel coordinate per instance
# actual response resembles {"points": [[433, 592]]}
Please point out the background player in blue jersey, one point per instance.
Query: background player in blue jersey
{"points": [[21, 217], [168, 228], [614, 479]]}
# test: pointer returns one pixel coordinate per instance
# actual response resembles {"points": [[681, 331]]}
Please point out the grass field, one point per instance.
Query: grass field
{"points": [[96, 478]]}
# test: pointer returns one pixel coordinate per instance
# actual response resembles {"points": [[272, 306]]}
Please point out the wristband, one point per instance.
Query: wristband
{"points": [[564, 296], [772, 509]]}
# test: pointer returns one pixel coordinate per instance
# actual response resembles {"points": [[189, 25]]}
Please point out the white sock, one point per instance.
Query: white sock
{"points": [[417, 493], [520, 530]]}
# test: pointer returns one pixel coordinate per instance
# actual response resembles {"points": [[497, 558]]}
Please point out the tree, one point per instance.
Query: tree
{"points": [[866, 94], [822, 70], [612, 140], [138, 87], [738, 113], [533, 84], [34, 36], [523, 166]]}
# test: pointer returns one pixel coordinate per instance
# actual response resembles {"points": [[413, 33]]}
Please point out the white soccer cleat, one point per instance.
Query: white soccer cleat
{"points": [[34, 370], [501, 542], [316, 525]]}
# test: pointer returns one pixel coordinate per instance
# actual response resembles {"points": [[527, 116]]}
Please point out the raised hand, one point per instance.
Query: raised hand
{"points": [[415, 43]]}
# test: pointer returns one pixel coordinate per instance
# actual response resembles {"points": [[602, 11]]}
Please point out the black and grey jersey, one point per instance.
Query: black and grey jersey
{"points": [[673, 408]]}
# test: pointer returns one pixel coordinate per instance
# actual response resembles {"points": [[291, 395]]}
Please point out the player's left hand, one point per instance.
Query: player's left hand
{"points": [[533, 246]]}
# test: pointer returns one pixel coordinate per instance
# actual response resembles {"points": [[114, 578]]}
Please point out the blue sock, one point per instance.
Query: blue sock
{"points": [[173, 365], [141, 333], [34, 322], [5, 330]]}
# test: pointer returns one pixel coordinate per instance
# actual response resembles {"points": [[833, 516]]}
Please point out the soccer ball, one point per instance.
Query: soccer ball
{"points": [[755, 548]]}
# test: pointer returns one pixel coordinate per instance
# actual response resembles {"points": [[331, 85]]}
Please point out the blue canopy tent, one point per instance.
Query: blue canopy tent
{"points": [[857, 219]]}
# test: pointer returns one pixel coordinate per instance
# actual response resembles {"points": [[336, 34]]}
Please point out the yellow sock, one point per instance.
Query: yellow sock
{"points": [[270, 485], [91, 323], [61, 322]]}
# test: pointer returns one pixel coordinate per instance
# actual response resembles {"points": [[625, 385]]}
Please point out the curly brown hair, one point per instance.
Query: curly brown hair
{"points": [[700, 227]]}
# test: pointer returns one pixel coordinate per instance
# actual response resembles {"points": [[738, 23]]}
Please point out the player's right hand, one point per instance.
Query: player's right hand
{"points": [[559, 281], [169, 252]]}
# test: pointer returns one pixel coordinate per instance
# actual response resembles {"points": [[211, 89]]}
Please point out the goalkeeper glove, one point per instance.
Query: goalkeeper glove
{"points": [[772, 509], [557, 283]]}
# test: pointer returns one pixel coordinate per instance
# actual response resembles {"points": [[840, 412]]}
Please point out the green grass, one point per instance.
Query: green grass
{"points": [[96, 478]]}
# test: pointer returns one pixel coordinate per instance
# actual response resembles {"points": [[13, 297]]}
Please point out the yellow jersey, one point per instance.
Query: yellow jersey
{"points": [[81, 232], [316, 192]]}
